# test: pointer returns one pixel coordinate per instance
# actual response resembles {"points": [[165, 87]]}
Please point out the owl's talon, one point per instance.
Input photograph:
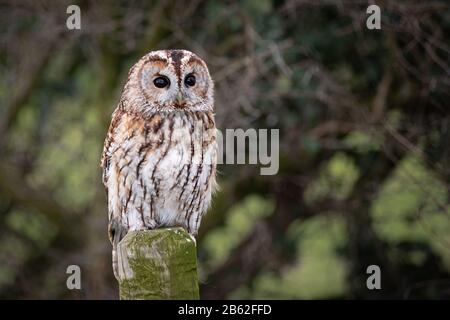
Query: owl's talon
{"points": [[116, 231]]}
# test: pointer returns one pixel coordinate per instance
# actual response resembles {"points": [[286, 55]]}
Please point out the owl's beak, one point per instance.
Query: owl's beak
{"points": [[179, 99]]}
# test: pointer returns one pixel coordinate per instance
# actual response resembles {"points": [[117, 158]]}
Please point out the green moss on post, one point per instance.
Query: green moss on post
{"points": [[158, 264]]}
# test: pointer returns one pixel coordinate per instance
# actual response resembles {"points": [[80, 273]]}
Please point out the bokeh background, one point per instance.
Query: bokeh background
{"points": [[364, 125]]}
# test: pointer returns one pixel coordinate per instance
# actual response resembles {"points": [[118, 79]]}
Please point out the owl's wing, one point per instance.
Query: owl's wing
{"points": [[108, 145]]}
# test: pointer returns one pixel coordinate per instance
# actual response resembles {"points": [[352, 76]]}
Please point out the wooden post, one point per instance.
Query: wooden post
{"points": [[158, 264]]}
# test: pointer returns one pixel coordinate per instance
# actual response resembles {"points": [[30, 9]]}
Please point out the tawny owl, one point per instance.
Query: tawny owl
{"points": [[159, 157]]}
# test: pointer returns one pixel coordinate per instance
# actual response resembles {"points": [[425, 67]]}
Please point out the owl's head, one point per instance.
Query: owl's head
{"points": [[169, 80]]}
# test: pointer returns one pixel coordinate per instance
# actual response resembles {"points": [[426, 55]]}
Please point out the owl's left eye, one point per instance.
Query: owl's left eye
{"points": [[189, 81], [161, 82]]}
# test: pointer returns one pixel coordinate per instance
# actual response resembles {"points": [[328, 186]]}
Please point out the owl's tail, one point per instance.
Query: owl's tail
{"points": [[116, 232], [115, 263]]}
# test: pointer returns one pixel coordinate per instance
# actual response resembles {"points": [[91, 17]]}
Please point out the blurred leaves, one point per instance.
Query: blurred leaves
{"points": [[239, 220]]}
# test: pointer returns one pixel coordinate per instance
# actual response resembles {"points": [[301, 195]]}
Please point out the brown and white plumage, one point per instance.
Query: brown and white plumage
{"points": [[159, 157]]}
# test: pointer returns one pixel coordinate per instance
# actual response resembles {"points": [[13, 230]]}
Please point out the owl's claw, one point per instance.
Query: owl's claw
{"points": [[116, 231]]}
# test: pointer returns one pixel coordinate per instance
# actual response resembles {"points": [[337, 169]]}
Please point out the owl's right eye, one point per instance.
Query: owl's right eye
{"points": [[161, 82]]}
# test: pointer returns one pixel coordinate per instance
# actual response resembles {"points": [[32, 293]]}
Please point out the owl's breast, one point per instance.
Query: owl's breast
{"points": [[165, 168], [181, 171], [184, 142]]}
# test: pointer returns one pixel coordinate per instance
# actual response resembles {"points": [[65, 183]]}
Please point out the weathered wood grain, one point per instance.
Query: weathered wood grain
{"points": [[158, 264]]}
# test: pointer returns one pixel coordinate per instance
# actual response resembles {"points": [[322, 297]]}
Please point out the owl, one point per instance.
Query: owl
{"points": [[159, 155]]}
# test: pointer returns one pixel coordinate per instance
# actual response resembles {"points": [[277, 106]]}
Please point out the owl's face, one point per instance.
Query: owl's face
{"points": [[169, 80]]}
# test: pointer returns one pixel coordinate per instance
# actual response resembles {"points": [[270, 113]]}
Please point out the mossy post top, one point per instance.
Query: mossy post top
{"points": [[158, 264]]}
